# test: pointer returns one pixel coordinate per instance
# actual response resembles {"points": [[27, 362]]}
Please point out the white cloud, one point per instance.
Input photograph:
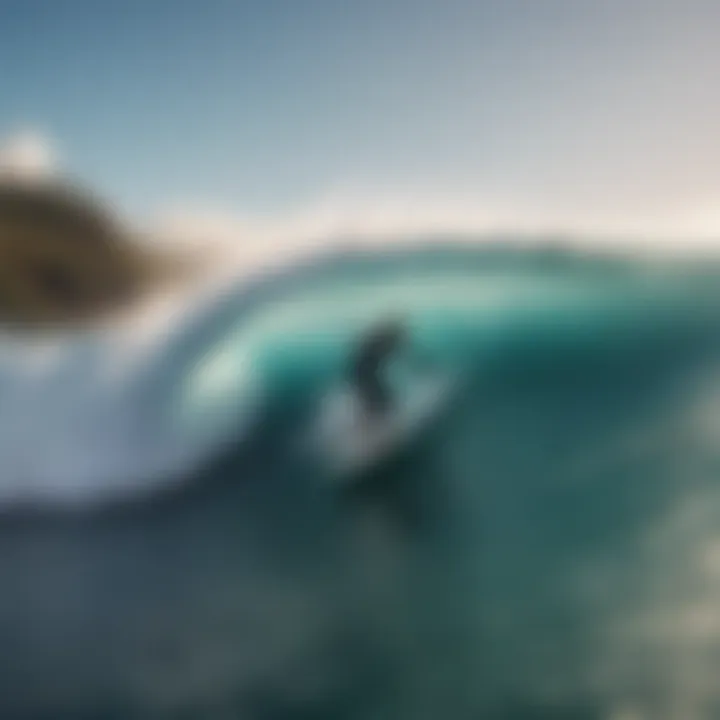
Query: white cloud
{"points": [[26, 156]]}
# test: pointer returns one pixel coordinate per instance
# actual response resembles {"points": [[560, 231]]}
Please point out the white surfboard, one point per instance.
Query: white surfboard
{"points": [[351, 441]]}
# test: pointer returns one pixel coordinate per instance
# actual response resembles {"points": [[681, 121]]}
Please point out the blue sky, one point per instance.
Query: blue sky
{"points": [[262, 106]]}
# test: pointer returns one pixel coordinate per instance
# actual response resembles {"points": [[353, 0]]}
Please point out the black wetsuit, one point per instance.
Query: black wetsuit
{"points": [[367, 365]]}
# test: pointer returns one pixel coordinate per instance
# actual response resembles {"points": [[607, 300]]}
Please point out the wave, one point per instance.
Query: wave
{"points": [[549, 549], [99, 416]]}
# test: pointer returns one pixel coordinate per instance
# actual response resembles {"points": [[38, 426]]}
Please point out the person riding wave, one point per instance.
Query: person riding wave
{"points": [[369, 361]]}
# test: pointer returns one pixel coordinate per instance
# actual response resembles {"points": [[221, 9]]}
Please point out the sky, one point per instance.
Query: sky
{"points": [[593, 114]]}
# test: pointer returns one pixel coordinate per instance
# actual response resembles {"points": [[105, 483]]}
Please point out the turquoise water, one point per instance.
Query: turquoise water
{"points": [[550, 550]]}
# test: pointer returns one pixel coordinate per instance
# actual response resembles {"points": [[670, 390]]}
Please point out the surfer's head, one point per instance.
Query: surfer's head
{"points": [[392, 333]]}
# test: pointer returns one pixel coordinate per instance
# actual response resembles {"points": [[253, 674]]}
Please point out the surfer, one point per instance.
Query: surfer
{"points": [[383, 402], [375, 349]]}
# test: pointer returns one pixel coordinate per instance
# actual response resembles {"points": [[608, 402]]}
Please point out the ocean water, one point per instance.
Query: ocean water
{"points": [[550, 548]]}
